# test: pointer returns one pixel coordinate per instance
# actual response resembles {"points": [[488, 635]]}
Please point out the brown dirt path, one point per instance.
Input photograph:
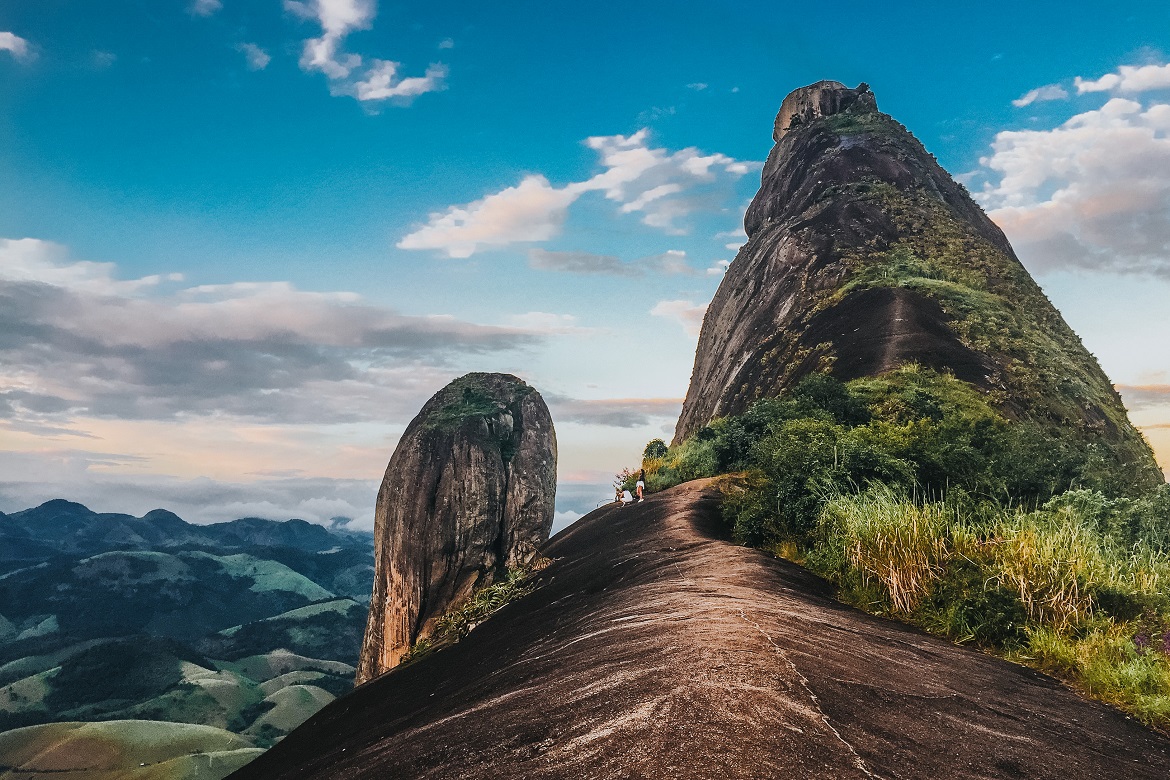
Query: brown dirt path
{"points": [[656, 649]]}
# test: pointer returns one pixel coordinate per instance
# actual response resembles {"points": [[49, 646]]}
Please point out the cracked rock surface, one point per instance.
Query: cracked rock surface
{"points": [[654, 648]]}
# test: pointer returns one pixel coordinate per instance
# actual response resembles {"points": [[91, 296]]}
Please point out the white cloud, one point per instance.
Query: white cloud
{"points": [[533, 210], [1093, 192], [1041, 94], [672, 261], [698, 86], [380, 79], [446, 43], [15, 45], [1129, 79], [612, 412], [382, 82], [664, 187], [686, 313], [205, 7], [75, 340], [256, 57], [719, 267]]}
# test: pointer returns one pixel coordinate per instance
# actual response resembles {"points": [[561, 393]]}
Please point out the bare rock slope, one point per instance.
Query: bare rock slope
{"points": [[863, 255], [468, 493], [653, 648]]}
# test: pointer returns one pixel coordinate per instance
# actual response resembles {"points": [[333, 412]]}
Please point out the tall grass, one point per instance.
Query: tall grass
{"points": [[1042, 587], [901, 545]]}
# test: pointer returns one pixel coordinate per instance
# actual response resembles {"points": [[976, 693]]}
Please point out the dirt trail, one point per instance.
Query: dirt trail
{"points": [[654, 648]]}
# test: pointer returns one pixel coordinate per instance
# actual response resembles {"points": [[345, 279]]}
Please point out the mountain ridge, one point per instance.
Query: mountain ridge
{"points": [[654, 647]]}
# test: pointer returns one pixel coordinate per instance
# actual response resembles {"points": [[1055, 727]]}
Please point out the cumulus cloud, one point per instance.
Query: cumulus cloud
{"points": [[382, 82], [447, 43], [698, 86], [1128, 78], [347, 71], [533, 210], [613, 412], [205, 7], [16, 46], [256, 57], [1041, 94], [1093, 192], [685, 313], [75, 341], [663, 187], [672, 261]]}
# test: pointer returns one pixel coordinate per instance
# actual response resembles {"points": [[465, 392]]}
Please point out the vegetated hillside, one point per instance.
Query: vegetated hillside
{"points": [[122, 750], [247, 626], [912, 419], [653, 647], [863, 255]]}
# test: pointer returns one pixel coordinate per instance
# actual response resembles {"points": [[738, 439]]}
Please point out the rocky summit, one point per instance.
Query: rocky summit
{"points": [[864, 255], [468, 495]]}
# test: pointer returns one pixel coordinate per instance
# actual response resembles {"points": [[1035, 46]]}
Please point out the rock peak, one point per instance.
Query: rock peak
{"points": [[468, 495], [823, 98]]}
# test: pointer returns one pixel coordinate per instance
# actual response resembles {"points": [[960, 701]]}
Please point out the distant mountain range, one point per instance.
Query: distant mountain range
{"points": [[249, 626]]}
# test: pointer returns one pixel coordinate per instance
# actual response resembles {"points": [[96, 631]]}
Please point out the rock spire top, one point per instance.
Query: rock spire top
{"points": [[823, 98]]}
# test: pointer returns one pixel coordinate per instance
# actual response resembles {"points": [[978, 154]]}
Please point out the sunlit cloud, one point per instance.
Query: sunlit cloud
{"points": [[1129, 79], [663, 187], [1040, 95], [16, 46], [686, 313], [77, 341], [348, 72], [1093, 192]]}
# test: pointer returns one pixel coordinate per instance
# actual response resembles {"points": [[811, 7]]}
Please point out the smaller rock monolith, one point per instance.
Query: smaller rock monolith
{"points": [[468, 494]]}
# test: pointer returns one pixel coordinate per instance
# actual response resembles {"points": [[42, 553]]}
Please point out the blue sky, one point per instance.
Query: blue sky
{"points": [[244, 241]]}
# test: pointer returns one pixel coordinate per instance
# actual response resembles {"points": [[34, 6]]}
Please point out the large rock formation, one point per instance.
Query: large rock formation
{"points": [[652, 648], [863, 255], [468, 494]]}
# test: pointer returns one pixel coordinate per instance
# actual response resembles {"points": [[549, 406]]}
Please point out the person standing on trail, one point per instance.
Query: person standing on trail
{"points": [[641, 486]]}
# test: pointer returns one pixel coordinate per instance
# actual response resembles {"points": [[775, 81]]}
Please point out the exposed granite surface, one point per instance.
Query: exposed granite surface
{"points": [[653, 648], [468, 493]]}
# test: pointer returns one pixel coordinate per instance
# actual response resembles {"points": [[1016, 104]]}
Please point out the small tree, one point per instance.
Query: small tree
{"points": [[655, 450]]}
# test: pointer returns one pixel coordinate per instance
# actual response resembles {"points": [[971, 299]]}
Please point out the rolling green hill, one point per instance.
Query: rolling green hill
{"points": [[152, 648]]}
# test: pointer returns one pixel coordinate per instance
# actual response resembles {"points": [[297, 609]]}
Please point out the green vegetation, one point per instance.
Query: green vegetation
{"points": [[921, 502], [459, 621], [124, 750], [470, 396]]}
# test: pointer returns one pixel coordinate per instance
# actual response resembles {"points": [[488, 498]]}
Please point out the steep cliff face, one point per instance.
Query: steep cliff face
{"points": [[863, 255], [468, 493]]}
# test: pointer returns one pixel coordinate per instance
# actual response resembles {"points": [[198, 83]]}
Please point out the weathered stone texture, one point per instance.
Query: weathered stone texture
{"points": [[847, 190], [468, 494]]}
